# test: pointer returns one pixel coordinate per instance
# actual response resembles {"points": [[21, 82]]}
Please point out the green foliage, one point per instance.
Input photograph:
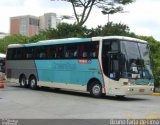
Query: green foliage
{"points": [[36, 38], [115, 29], [65, 30], [111, 29], [14, 39]]}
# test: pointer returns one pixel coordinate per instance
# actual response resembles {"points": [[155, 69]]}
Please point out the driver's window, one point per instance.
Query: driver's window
{"points": [[114, 66]]}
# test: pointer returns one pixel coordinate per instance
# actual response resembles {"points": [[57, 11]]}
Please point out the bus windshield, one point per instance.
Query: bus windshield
{"points": [[136, 60]]}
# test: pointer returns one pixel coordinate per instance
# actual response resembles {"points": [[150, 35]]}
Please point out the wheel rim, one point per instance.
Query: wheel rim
{"points": [[33, 82], [23, 82], [96, 89]]}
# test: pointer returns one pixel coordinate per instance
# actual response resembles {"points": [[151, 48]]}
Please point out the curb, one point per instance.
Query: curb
{"points": [[156, 94]]}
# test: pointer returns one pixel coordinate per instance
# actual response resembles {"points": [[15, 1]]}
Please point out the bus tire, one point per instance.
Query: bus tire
{"points": [[120, 96], [23, 81], [33, 83], [96, 89]]}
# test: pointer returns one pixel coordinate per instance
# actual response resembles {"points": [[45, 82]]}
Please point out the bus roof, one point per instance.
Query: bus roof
{"points": [[118, 37], [50, 42], [15, 45], [74, 40]]}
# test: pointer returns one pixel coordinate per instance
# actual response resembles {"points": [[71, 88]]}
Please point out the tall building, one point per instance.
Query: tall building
{"points": [[47, 21], [31, 25], [26, 25]]}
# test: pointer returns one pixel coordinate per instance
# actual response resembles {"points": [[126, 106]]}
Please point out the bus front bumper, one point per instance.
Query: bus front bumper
{"points": [[132, 90]]}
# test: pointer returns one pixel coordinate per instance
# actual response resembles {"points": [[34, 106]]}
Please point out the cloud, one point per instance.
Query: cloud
{"points": [[142, 17]]}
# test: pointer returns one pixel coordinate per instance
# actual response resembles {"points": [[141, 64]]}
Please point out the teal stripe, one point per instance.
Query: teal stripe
{"points": [[68, 71]]}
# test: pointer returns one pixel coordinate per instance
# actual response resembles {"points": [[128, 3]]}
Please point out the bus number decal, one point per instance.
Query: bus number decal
{"points": [[84, 61]]}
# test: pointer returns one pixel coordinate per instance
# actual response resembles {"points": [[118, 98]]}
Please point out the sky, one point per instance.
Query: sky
{"points": [[141, 16]]}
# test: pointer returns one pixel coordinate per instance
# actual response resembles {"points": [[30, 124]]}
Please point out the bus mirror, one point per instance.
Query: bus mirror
{"points": [[134, 69]]}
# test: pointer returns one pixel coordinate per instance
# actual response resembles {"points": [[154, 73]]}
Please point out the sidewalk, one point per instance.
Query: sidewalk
{"points": [[156, 94]]}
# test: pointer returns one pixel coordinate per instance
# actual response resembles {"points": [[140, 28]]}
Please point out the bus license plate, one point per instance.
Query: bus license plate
{"points": [[141, 90]]}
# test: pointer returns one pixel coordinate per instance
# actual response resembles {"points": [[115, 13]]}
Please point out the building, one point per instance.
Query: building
{"points": [[26, 25], [31, 25], [48, 20]]}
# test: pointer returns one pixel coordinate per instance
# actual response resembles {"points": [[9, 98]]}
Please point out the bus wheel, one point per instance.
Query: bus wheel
{"points": [[120, 96], [33, 83], [96, 89], [22, 81]]}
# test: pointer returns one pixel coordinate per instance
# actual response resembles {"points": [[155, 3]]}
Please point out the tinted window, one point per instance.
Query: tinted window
{"points": [[51, 52], [88, 50], [110, 58], [29, 53], [15, 53], [132, 50], [41, 52], [10, 54], [59, 52], [65, 51], [71, 51]]}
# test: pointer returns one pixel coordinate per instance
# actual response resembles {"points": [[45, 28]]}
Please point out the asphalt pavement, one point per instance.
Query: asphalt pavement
{"points": [[23, 103]]}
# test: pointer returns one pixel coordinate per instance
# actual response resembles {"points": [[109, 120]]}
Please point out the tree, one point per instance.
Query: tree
{"points": [[88, 5], [14, 39], [111, 29], [111, 10], [65, 30], [115, 29]]}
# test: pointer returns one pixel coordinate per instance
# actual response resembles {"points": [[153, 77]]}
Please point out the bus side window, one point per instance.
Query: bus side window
{"points": [[29, 53], [28, 56], [42, 52], [59, 52], [71, 51], [9, 54], [17, 54], [94, 50], [42, 55], [51, 52], [89, 50]]}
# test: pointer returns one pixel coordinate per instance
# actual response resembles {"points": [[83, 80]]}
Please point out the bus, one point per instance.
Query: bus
{"points": [[97, 65], [2, 65]]}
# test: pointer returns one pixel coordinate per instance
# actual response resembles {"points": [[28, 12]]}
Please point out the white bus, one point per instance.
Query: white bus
{"points": [[111, 65]]}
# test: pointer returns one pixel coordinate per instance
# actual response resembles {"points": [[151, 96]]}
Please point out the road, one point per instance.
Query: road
{"points": [[23, 103]]}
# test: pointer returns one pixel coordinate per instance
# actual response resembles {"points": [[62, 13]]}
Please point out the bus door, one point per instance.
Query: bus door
{"points": [[111, 59], [113, 66]]}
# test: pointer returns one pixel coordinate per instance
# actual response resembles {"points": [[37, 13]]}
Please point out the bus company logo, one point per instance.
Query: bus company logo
{"points": [[84, 61]]}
